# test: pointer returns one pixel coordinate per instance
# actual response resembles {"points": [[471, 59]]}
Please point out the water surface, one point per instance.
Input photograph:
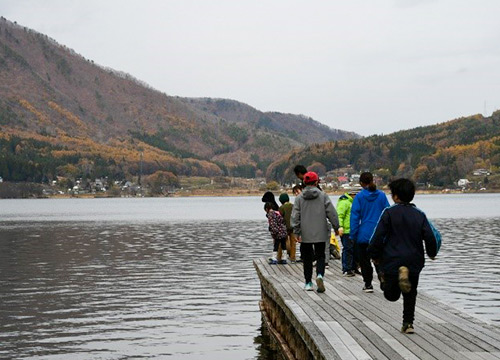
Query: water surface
{"points": [[173, 277]]}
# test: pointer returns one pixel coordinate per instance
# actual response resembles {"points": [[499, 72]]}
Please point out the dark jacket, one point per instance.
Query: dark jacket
{"points": [[277, 226], [397, 240]]}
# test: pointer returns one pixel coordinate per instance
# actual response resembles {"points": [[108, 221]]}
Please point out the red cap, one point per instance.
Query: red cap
{"points": [[310, 177]]}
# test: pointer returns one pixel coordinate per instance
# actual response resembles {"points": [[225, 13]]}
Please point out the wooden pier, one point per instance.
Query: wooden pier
{"points": [[346, 323]]}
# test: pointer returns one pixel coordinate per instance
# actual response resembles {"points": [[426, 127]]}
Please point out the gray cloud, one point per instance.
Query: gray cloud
{"points": [[374, 67]]}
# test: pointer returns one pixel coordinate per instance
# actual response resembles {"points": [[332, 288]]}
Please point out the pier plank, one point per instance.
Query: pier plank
{"points": [[346, 323]]}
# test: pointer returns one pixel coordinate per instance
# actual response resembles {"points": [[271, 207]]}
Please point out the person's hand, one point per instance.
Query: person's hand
{"points": [[341, 231], [298, 238]]}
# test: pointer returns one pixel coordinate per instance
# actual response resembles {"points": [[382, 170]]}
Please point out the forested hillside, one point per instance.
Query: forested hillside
{"points": [[438, 155], [63, 115]]}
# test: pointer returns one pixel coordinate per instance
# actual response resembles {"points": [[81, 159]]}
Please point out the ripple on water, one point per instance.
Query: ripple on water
{"points": [[104, 290], [165, 290]]}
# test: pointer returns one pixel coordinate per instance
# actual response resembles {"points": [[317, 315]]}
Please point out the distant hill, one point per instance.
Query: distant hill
{"points": [[63, 115], [437, 155]]}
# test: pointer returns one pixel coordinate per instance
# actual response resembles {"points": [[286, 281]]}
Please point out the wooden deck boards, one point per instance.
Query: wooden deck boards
{"points": [[346, 323]]}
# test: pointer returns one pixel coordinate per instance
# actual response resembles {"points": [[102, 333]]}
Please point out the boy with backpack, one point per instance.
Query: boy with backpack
{"points": [[397, 245]]}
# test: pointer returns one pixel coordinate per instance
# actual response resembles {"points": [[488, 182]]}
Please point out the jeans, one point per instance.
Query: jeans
{"points": [[308, 251], [392, 292], [347, 253]]}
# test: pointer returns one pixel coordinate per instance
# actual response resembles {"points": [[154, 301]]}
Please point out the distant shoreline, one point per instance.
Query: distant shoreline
{"points": [[230, 193]]}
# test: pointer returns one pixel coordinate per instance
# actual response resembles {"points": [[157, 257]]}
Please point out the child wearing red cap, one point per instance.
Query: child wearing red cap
{"points": [[311, 210]]}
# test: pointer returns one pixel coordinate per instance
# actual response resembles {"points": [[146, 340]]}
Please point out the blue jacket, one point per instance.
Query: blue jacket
{"points": [[397, 240], [365, 212]]}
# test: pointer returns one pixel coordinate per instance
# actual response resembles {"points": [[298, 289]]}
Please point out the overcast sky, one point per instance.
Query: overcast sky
{"points": [[373, 66]]}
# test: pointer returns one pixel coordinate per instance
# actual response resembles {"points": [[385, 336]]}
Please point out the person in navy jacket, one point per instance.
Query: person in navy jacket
{"points": [[397, 245], [365, 212]]}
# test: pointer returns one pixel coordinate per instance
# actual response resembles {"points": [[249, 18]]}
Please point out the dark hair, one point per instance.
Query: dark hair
{"points": [[403, 188], [299, 169], [268, 206], [269, 198], [366, 178], [296, 187]]}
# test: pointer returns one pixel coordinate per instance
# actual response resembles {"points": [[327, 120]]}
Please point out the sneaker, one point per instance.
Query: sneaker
{"points": [[293, 261], [368, 288], [356, 271], [273, 262], [407, 328], [282, 262], [404, 281], [320, 283], [349, 273], [327, 266], [309, 286]]}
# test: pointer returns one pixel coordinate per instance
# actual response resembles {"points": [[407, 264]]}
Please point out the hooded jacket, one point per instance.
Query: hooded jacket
{"points": [[311, 210], [365, 212], [397, 239], [344, 205]]}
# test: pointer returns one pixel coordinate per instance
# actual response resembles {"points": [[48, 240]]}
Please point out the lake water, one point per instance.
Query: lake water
{"points": [[173, 277]]}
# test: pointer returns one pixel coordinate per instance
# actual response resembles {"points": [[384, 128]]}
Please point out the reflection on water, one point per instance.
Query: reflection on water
{"points": [[180, 289], [466, 274], [150, 291]]}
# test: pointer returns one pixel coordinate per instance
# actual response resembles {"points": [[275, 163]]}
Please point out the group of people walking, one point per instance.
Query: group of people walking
{"points": [[372, 232]]}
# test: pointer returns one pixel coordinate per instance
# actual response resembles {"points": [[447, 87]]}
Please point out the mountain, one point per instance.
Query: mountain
{"points": [[63, 115], [437, 155]]}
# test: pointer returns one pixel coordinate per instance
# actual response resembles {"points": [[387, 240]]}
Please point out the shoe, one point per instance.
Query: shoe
{"points": [[368, 288], [356, 271], [320, 283], [327, 266], [309, 286], [273, 262], [282, 262], [349, 273], [293, 261], [404, 281], [407, 328]]}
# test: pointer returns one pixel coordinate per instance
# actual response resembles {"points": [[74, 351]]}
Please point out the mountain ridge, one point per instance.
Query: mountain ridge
{"points": [[54, 95]]}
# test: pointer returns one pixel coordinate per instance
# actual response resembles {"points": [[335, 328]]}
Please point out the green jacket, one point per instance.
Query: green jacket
{"points": [[286, 212], [344, 212]]}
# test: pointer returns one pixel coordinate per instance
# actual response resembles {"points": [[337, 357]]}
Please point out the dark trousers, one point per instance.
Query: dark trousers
{"points": [[365, 263], [392, 292], [309, 252], [347, 253], [278, 242]]}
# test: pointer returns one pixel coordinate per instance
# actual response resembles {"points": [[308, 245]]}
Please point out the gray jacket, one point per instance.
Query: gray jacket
{"points": [[310, 211]]}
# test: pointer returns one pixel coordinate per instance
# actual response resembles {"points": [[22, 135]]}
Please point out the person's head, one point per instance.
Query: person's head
{"points": [[366, 181], [402, 190], [297, 189], [300, 171], [311, 178], [268, 207], [268, 197], [284, 198]]}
